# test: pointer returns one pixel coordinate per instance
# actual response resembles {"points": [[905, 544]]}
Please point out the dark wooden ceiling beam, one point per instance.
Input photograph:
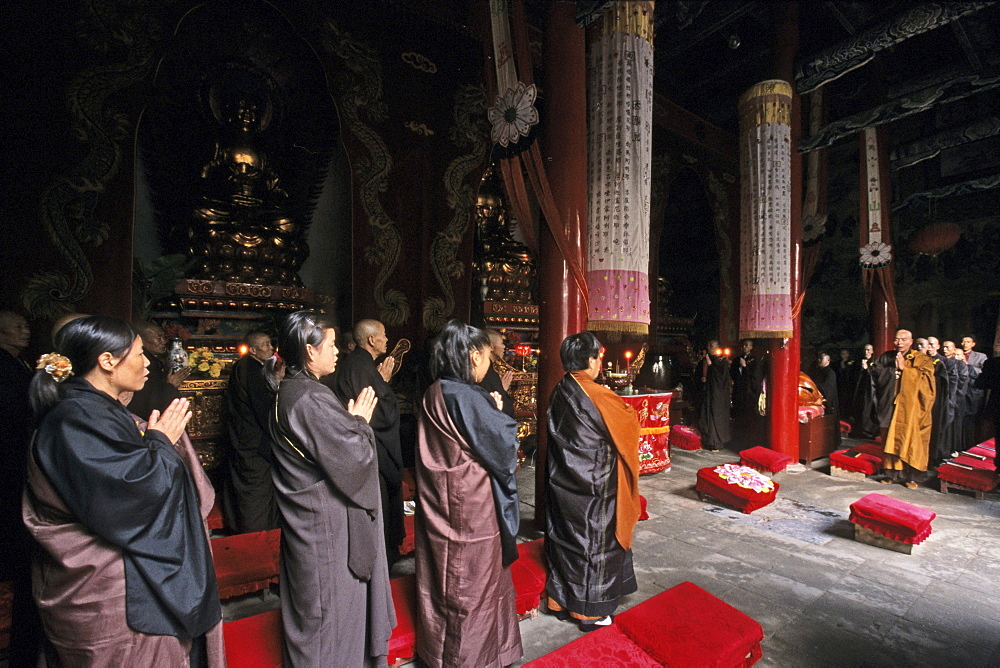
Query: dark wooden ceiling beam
{"points": [[964, 188], [829, 64], [681, 46], [681, 122], [970, 52], [950, 91], [841, 17], [923, 149]]}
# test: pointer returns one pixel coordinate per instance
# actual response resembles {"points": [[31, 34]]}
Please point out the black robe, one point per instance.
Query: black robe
{"points": [[748, 383], [883, 373], [134, 491], [714, 422], [157, 393], [249, 493], [944, 406], [989, 381], [955, 437], [491, 382], [589, 570], [826, 382], [16, 424], [356, 371], [847, 379], [864, 416]]}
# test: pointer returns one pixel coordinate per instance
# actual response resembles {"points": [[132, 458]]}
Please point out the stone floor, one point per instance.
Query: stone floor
{"points": [[841, 603]]}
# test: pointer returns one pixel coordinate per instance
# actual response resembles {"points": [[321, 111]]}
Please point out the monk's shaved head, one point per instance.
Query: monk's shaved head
{"points": [[903, 340]]}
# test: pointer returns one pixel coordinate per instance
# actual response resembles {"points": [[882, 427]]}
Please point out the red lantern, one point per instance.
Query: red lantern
{"points": [[935, 238]]}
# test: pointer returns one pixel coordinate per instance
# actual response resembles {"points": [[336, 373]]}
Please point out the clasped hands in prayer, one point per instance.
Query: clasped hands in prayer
{"points": [[364, 405], [172, 421]]}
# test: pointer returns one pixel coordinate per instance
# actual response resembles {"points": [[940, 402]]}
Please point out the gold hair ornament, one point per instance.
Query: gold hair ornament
{"points": [[56, 365]]}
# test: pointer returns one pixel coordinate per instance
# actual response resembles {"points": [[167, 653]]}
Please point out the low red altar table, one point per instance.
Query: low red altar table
{"points": [[654, 430]]}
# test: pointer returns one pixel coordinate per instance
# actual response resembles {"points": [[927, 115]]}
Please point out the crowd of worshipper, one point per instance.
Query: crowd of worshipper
{"points": [[105, 502], [927, 400]]}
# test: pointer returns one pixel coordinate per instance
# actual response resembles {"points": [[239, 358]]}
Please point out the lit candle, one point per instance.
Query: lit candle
{"points": [[628, 361]]}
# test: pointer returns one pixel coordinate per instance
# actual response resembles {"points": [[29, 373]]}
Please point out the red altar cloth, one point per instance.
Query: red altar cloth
{"points": [[709, 482], [893, 518], [654, 433]]}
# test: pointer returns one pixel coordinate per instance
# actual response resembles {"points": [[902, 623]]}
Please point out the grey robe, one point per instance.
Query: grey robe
{"points": [[336, 605]]}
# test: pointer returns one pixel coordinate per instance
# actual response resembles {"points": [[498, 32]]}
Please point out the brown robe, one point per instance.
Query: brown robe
{"points": [[336, 605], [79, 584], [466, 607], [908, 439]]}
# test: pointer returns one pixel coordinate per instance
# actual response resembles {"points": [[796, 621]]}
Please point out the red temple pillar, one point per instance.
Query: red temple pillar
{"points": [[562, 309], [783, 380]]}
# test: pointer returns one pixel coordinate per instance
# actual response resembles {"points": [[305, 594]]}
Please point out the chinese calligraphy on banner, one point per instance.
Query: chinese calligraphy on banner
{"points": [[620, 111], [765, 211]]}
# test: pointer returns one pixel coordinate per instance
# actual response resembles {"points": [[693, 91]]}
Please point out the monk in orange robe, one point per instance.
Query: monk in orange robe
{"points": [[908, 438]]}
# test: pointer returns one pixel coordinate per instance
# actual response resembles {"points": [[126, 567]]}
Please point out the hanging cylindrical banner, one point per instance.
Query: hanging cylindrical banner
{"points": [[875, 252], [765, 211], [620, 114]]}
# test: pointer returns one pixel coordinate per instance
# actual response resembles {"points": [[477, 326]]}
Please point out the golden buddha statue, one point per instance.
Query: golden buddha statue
{"points": [[241, 229], [504, 265]]}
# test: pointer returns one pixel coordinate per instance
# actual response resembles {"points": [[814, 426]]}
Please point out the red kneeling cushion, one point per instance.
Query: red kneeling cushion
{"points": [[687, 626], [246, 562], [980, 479], [402, 642], [685, 438], [893, 518], [255, 641], [764, 459], [972, 461], [529, 574], [215, 520], [870, 448], [851, 459], [982, 451], [733, 495]]}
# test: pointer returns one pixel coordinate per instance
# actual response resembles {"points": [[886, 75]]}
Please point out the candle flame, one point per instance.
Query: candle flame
{"points": [[244, 349]]}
